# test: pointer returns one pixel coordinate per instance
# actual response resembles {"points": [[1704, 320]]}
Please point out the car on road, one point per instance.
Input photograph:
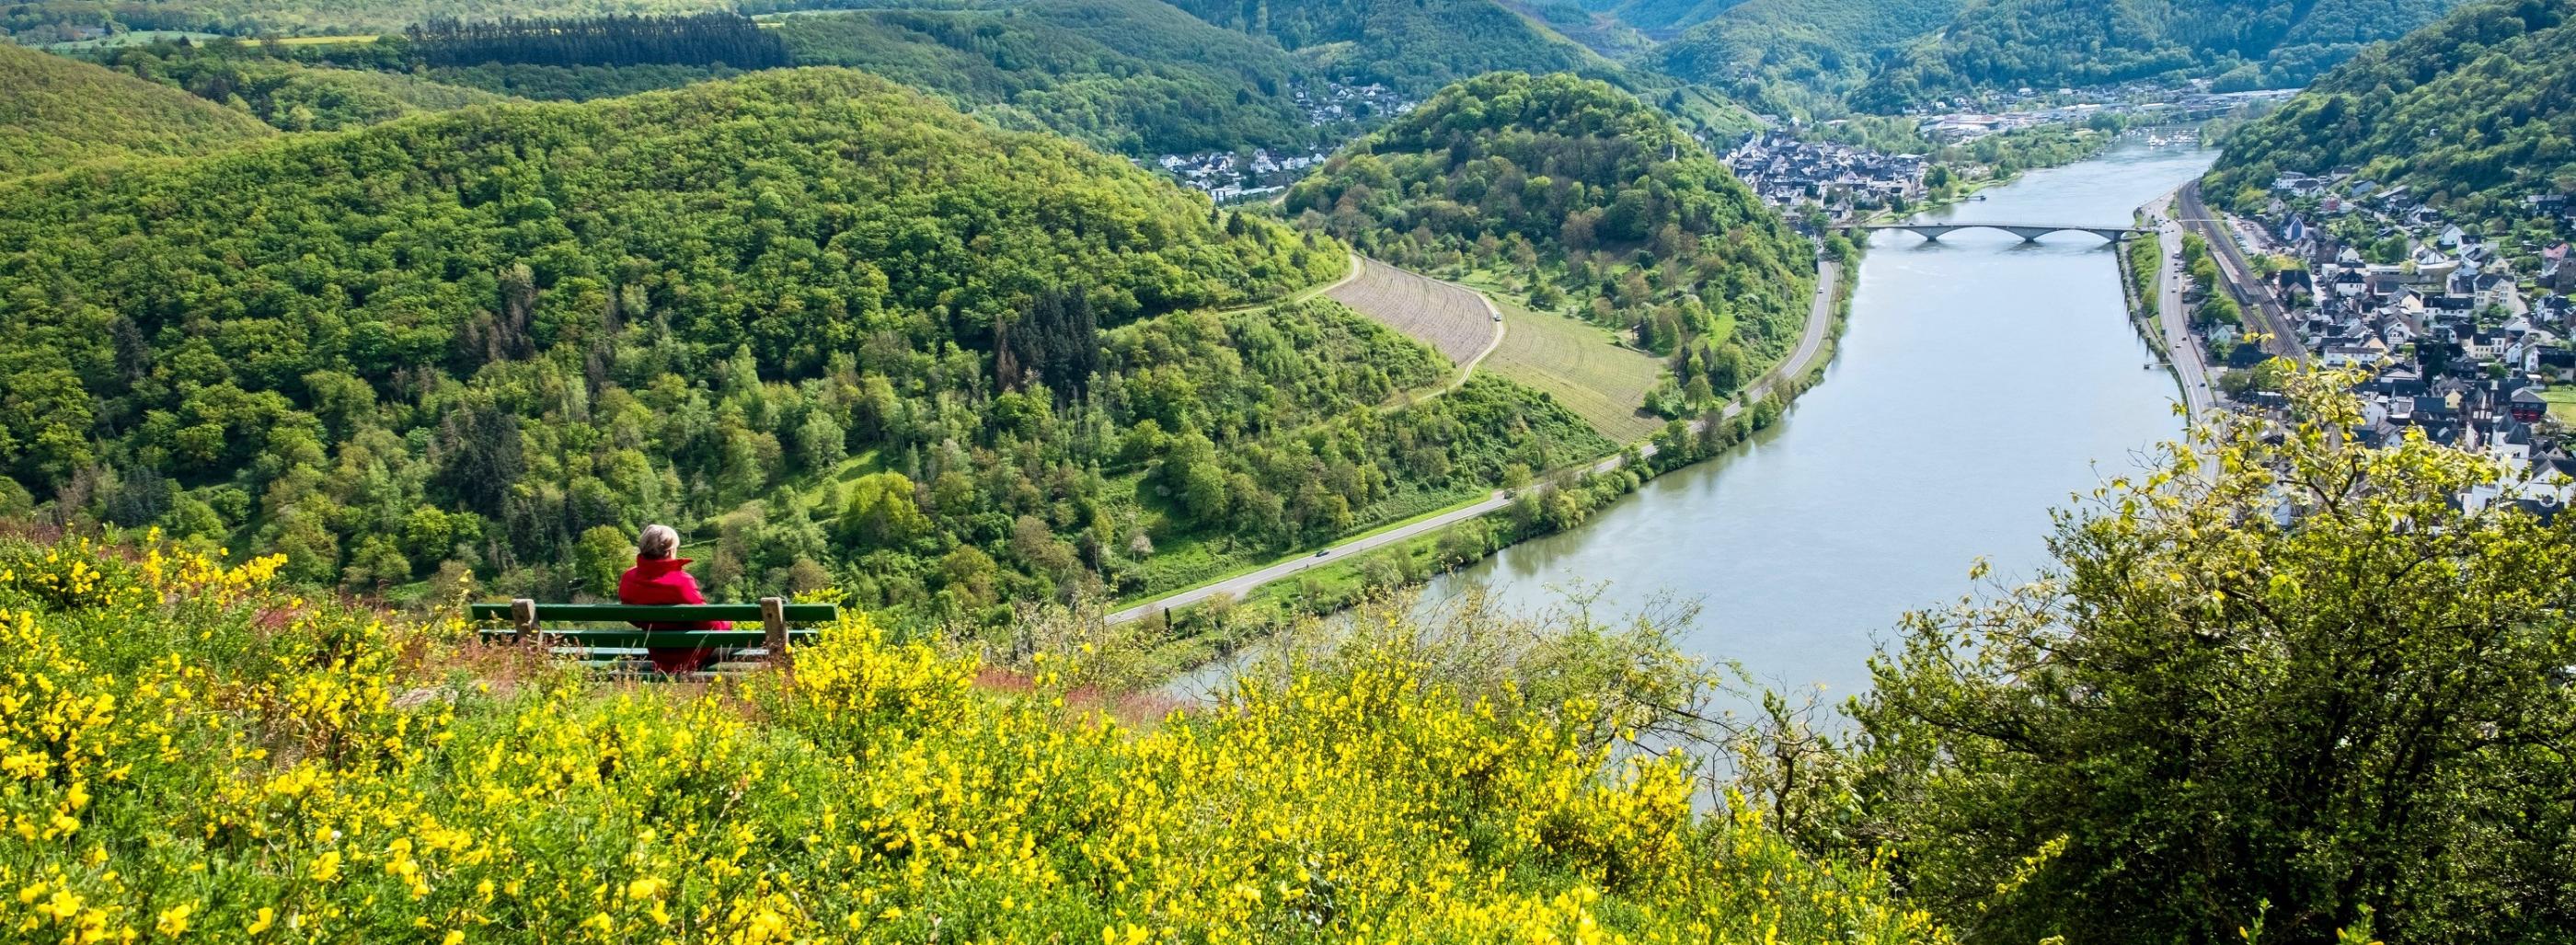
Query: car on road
{"points": [[1320, 552]]}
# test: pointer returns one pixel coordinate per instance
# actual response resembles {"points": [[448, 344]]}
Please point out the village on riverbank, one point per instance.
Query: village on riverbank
{"points": [[2462, 329]]}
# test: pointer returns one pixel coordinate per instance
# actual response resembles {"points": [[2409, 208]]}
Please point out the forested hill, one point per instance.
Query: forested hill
{"points": [[1414, 45], [1797, 56], [56, 112], [2004, 44], [465, 340], [2474, 113], [1133, 76], [1591, 199]]}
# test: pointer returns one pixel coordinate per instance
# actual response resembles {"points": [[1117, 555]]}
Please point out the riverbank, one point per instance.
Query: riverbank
{"points": [[1978, 382], [1211, 623]]}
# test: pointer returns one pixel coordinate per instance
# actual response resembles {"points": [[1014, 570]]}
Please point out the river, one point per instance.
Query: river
{"points": [[1980, 382]]}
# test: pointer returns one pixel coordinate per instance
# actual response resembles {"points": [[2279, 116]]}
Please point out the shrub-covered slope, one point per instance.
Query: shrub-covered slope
{"points": [[58, 112], [193, 752], [2474, 113]]}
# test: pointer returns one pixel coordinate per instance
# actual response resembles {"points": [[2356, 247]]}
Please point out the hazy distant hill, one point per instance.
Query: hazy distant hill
{"points": [[2473, 112], [1135, 76], [1788, 55], [291, 95], [1415, 45], [2052, 43], [55, 112]]}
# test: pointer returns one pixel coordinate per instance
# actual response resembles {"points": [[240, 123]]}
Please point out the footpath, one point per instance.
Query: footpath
{"points": [[1811, 345]]}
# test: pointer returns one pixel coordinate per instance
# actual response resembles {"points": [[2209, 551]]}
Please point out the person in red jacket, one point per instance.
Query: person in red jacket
{"points": [[656, 578]]}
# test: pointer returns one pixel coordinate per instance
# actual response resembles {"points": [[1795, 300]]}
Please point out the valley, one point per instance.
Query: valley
{"points": [[1654, 471]]}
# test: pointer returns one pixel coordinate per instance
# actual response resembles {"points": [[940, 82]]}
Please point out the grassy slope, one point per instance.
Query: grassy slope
{"points": [[1581, 365], [59, 112]]}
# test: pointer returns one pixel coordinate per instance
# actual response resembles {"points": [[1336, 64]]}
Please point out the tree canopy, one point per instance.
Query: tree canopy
{"points": [[2005, 44], [60, 112], [2472, 113]]}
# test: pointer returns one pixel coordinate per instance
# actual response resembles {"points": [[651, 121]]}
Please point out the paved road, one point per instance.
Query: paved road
{"points": [[1811, 342], [2232, 265], [2190, 363]]}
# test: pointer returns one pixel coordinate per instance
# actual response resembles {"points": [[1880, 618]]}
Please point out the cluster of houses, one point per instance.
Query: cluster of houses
{"points": [[1970, 118], [1789, 172], [2461, 342], [1229, 175], [1338, 102]]}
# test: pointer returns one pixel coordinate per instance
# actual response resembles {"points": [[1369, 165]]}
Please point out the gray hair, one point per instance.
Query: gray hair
{"points": [[658, 541]]}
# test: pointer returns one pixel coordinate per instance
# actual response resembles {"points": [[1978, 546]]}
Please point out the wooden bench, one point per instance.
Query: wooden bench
{"points": [[605, 635]]}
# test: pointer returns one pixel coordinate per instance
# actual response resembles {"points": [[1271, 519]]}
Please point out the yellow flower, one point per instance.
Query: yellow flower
{"points": [[174, 920], [262, 921], [454, 937], [327, 867]]}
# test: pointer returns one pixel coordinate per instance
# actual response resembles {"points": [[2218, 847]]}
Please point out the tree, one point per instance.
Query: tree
{"points": [[881, 512], [2204, 719], [601, 558]]}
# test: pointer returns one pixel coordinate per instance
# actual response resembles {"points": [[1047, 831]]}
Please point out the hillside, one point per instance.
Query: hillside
{"points": [[1586, 200], [2005, 44], [843, 333], [60, 112], [1416, 46], [2474, 113], [1133, 76], [1662, 17], [291, 95], [415, 786], [1790, 57]]}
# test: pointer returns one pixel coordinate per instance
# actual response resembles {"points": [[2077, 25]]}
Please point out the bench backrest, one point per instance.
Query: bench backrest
{"points": [[528, 618], [794, 614]]}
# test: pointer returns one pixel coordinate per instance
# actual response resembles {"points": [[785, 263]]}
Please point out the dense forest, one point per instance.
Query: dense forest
{"points": [[1797, 57], [1416, 46], [2244, 44], [289, 94], [2474, 113], [59, 112], [706, 39], [1133, 76], [836, 331], [1590, 201]]}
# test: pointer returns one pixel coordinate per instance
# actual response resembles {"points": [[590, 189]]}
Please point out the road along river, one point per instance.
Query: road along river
{"points": [[1981, 382]]}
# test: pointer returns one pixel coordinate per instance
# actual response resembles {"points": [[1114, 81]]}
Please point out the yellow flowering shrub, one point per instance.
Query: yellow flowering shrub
{"points": [[188, 752]]}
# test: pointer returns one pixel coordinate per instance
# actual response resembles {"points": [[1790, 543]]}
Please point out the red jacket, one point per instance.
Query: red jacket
{"points": [[660, 581]]}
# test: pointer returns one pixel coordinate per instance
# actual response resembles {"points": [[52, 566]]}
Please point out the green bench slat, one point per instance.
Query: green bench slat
{"points": [[670, 638], [657, 613]]}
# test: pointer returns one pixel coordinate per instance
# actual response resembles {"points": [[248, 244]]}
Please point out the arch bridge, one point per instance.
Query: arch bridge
{"points": [[2029, 232]]}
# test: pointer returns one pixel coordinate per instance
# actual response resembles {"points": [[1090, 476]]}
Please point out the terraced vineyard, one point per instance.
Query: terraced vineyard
{"points": [[1452, 320], [1583, 367]]}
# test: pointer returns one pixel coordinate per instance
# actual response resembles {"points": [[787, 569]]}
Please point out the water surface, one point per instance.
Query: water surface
{"points": [[1981, 381]]}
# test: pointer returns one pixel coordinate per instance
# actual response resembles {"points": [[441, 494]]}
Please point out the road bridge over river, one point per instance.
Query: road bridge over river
{"points": [[2029, 232]]}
